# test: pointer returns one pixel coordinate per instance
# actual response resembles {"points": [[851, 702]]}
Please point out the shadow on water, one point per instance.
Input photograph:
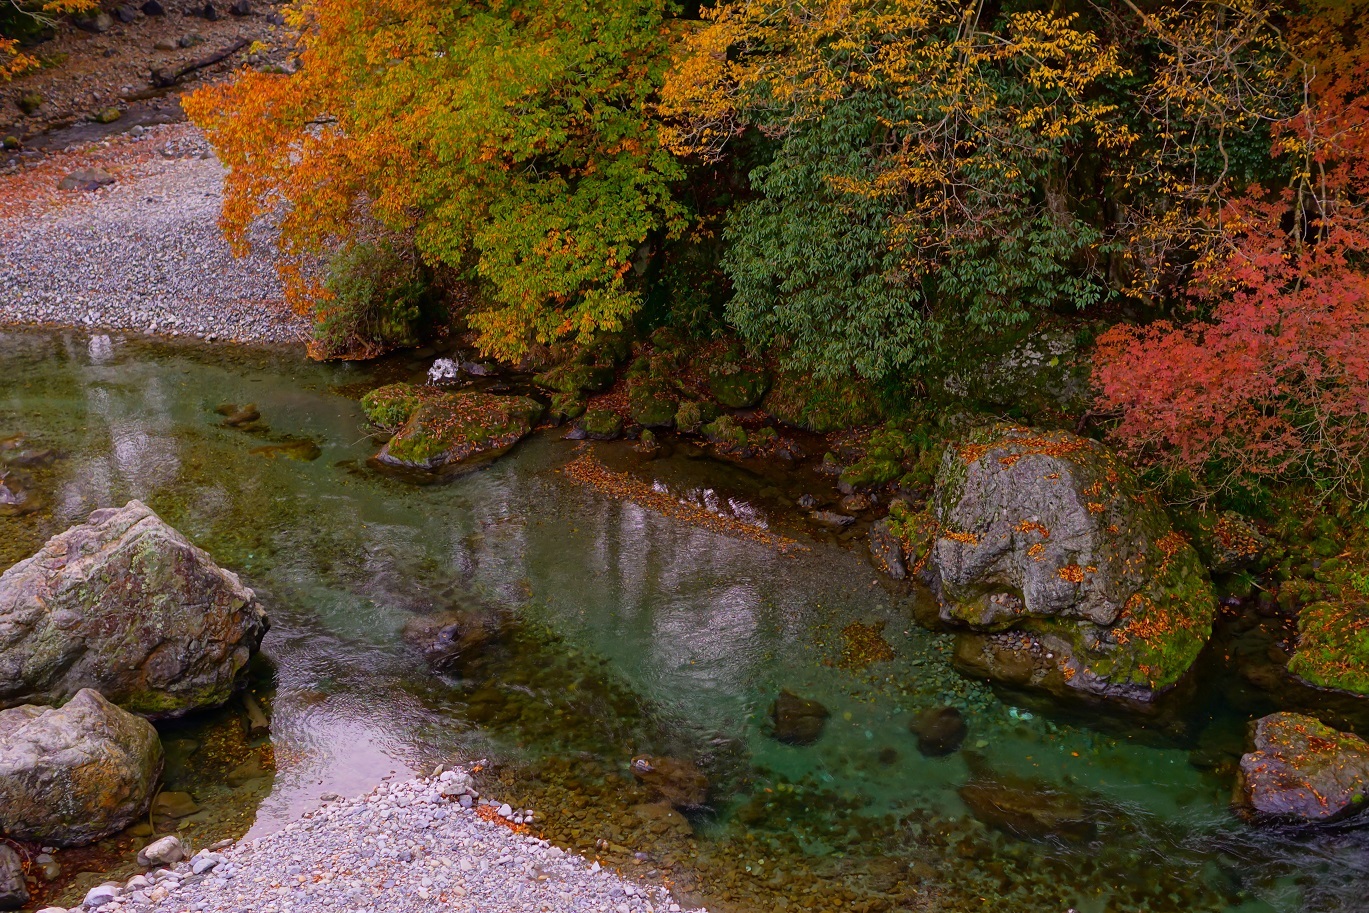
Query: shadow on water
{"points": [[517, 616]]}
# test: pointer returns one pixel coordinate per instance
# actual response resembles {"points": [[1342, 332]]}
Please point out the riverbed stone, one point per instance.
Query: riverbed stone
{"points": [[1299, 769], [14, 893], [86, 179], [464, 429], [125, 604], [797, 720], [940, 731], [1028, 808], [167, 850], [1047, 548], [674, 781], [72, 775]]}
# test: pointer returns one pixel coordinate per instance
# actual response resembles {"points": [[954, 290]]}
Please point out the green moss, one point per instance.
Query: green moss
{"points": [[576, 377], [725, 430], [805, 402], [765, 437], [452, 427], [390, 406], [737, 387], [601, 423], [1333, 645], [567, 407]]}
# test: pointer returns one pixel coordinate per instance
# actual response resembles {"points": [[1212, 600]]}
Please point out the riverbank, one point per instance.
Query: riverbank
{"points": [[402, 847], [142, 253]]}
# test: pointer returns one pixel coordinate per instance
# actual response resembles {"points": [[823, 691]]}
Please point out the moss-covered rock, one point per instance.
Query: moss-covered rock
{"points": [[451, 429], [576, 377], [1047, 549], [1302, 771], [601, 424], [566, 407], [392, 405], [1226, 541], [1333, 645], [736, 386], [725, 431], [803, 401], [691, 416]]}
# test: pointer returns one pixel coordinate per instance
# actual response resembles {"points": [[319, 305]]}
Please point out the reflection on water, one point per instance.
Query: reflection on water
{"points": [[614, 631]]}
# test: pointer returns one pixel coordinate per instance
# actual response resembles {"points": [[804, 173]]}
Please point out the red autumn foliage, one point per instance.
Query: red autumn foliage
{"points": [[1274, 383]]}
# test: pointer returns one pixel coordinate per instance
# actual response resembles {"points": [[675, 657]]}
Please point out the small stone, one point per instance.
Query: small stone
{"points": [[241, 8], [29, 102], [125, 14], [505, 811], [166, 851], [209, 12], [153, 8], [97, 24], [165, 44], [86, 179], [13, 892], [100, 895], [108, 115]]}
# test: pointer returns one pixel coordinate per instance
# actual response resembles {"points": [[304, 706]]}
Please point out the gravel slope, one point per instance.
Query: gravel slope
{"points": [[428, 844], [145, 253]]}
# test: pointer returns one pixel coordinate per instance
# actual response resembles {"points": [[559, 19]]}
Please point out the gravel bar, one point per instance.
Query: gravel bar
{"points": [[143, 254], [421, 845]]}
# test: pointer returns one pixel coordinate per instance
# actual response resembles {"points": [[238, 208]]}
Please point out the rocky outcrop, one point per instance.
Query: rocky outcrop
{"points": [[128, 606], [446, 431], [1303, 771], [1063, 575], [72, 775]]}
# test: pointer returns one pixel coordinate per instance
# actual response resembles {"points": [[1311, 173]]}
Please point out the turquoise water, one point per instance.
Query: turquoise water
{"points": [[619, 631]]}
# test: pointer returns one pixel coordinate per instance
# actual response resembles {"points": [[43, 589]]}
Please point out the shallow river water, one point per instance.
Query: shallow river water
{"points": [[618, 631]]}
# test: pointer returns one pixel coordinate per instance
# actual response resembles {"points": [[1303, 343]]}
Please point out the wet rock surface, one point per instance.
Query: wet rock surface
{"points": [[940, 731], [797, 720], [450, 430], [1028, 809], [126, 605], [72, 775], [674, 781], [1303, 771], [1046, 546]]}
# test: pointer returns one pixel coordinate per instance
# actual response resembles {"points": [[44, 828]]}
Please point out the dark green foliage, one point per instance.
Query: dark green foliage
{"points": [[380, 300]]}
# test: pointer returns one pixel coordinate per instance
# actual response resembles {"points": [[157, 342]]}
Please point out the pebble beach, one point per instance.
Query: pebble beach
{"points": [[419, 845], [144, 253]]}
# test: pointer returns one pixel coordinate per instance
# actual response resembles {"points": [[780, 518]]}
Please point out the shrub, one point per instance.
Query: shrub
{"points": [[376, 300]]}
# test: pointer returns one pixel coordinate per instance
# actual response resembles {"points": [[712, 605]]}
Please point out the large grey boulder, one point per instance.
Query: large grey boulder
{"points": [[128, 606], [72, 775], [1303, 771], [1062, 573]]}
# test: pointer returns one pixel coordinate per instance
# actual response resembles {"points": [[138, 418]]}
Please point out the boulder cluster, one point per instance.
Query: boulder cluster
{"points": [[113, 623]]}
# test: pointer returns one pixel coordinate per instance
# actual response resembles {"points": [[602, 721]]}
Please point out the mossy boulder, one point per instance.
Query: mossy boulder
{"points": [[822, 406], [126, 605], [1301, 771], [736, 386], [601, 425], [691, 416], [726, 432], [577, 377], [566, 407], [1065, 576], [1333, 645], [650, 403], [1226, 541], [448, 430], [390, 406]]}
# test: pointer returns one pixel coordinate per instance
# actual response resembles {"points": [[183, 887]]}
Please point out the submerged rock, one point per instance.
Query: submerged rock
{"points": [[797, 720], [676, 782], [448, 638], [450, 429], [1028, 809], [13, 892], [128, 606], [939, 732], [1302, 770], [1046, 549], [16, 497], [72, 775]]}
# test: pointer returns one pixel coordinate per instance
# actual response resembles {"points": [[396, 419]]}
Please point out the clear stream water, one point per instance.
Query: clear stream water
{"points": [[620, 631]]}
